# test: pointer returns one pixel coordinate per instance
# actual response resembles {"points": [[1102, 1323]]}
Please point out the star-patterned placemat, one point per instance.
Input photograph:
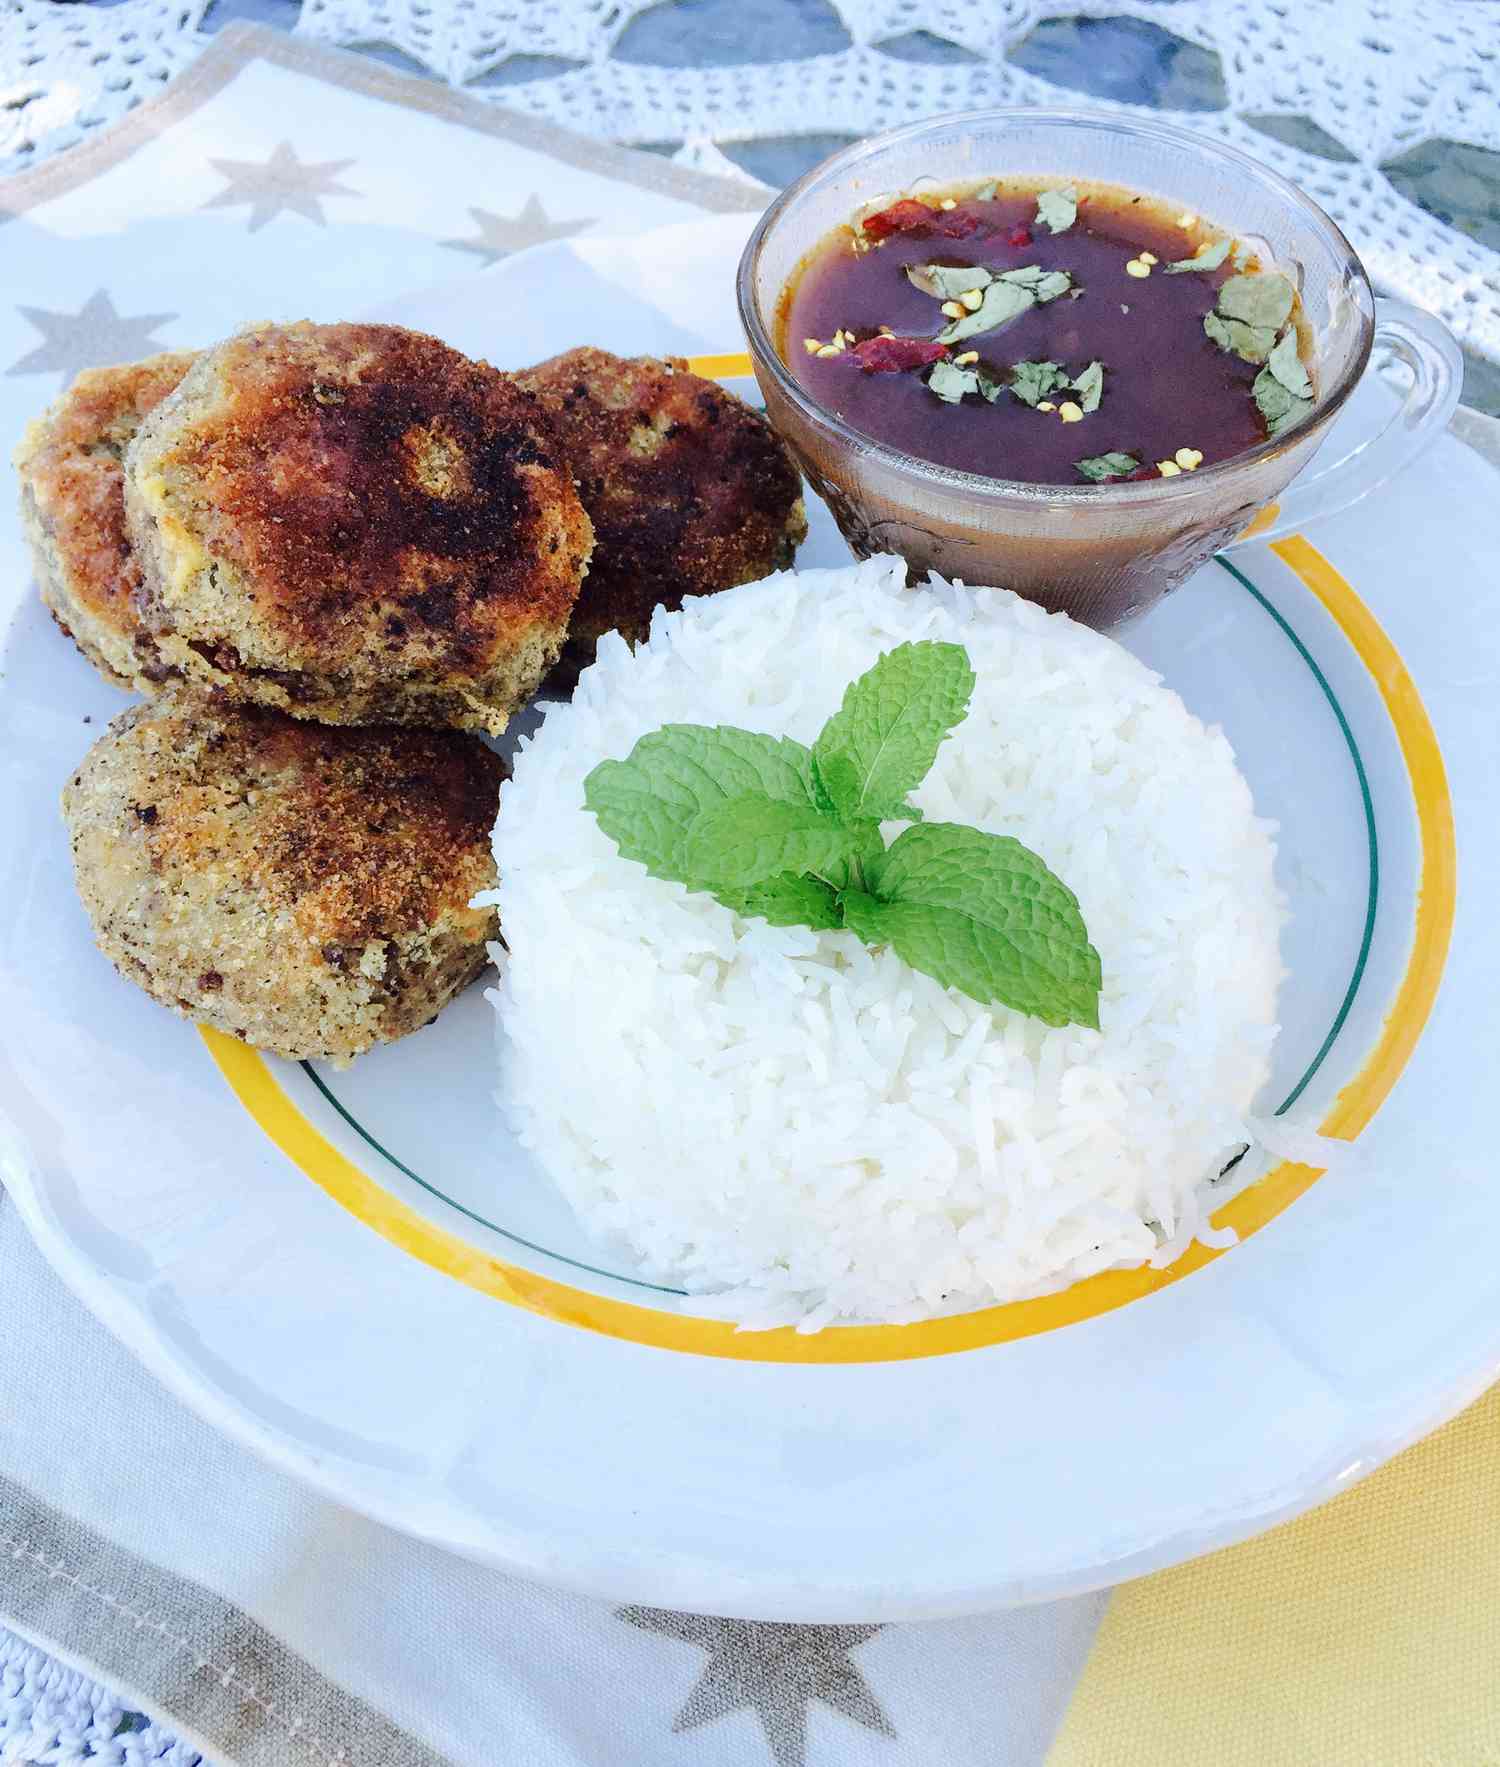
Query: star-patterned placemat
{"points": [[94, 335], [264, 131], [281, 184], [773, 1671]]}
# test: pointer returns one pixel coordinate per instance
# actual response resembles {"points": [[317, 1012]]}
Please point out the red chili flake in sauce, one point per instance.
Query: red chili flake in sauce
{"points": [[900, 217], [890, 355], [909, 214]]}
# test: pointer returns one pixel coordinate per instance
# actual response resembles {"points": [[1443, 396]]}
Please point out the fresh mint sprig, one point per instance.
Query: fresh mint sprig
{"points": [[792, 834]]}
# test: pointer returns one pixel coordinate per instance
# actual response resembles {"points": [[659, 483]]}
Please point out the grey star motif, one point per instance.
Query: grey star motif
{"points": [[281, 182], [772, 1670], [90, 338], [500, 235]]}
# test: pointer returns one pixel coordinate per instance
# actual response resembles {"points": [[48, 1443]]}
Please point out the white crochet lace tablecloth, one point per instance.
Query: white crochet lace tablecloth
{"points": [[1386, 111], [51, 1715]]}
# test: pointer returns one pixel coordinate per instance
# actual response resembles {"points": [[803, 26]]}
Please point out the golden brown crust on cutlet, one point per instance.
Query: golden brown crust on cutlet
{"points": [[689, 490], [73, 511], [362, 833], [356, 524], [302, 886]]}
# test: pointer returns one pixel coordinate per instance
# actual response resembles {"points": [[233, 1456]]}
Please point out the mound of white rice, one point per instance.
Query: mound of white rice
{"points": [[809, 1131]]}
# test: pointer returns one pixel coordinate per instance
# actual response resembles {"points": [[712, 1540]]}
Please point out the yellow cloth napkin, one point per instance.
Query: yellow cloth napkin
{"points": [[1366, 1633]]}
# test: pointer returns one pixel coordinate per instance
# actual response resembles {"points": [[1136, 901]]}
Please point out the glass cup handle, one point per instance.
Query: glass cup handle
{"points": [[1427, 347]]}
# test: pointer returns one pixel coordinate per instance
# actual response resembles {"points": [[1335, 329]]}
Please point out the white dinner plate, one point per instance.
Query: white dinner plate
{"points": [[362, 1276]]}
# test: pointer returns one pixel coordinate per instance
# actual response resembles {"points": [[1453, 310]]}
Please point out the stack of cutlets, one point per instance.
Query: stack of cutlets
{"points": [[328, 553]]}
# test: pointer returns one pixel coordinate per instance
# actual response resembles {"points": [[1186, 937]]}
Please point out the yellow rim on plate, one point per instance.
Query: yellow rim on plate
{"points": [[353, 1189]]}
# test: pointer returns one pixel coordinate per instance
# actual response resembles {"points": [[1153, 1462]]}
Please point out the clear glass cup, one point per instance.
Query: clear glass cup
{"points": [[1101, 553]]}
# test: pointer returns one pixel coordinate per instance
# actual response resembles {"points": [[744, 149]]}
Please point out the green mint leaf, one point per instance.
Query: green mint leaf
{"points": [[747, 840], [647, 802], [946, 282], [787, 900], [951, 383], [862, 914], [1058, 209], [1003, 301], [883, 739], [983, 914], [1251, 342], [1031, 382], [1090, 386], [1046, 285], [1207, 257], [1286, 365], [792, 836], [1280, 407], [1012, 293], [1100, 467], [1258, 298]]}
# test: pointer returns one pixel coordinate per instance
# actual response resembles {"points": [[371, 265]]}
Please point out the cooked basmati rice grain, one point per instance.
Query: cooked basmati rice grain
{"points": [[800, 1130]]}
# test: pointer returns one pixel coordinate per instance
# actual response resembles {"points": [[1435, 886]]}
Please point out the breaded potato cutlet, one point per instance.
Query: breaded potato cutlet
{"points": [[356, 524], [304, 887], [73, 513], [689, 490]]}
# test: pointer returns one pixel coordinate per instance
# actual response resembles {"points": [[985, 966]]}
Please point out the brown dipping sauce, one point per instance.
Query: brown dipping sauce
{"points": [[1167, 386]]}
